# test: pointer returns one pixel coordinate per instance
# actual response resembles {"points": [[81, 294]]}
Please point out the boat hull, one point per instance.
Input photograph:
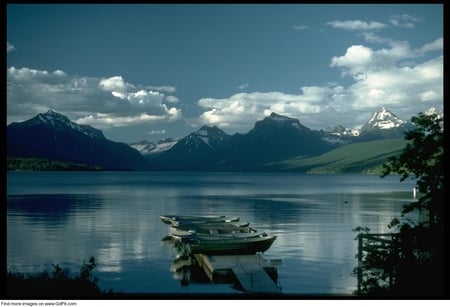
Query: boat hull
{"points": [[212, 228], [239, 246], [177, 220]]}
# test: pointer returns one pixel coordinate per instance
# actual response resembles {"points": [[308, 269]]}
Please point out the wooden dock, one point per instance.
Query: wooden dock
{"points": [[251, 271]]}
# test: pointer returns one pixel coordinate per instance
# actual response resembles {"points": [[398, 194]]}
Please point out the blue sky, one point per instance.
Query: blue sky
{"points": [[148, 71]]}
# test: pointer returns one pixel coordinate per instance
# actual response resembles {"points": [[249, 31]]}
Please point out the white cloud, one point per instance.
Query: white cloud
{"points": [[300, 27], [172, 99], [153, 132], [359, 59], [163, 88], [404, 87], [403, 20], [9, 47], [28, 75], [243, 109], [108, 120], [102, 103], [113, 84], [356, 25], [243, 86], [144, 99], [355, 60], [438, 44], [172, 114], [380, 78], [373, 38]]}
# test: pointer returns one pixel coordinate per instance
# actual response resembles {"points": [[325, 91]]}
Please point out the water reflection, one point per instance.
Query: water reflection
{"points": [[51, 209], [237, 270], [114, 216]]}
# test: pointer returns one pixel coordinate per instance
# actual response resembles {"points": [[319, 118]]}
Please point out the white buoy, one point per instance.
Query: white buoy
{"points": [[414, 192]]}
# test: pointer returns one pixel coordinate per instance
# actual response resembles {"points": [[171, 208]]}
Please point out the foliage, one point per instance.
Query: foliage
{"points": [[423, 159], [376, 257], [37, 164], [56, 284], [412, 263]]}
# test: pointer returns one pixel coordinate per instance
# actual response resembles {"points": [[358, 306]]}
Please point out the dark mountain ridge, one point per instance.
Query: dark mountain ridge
{"points": [[197, 151], [53, 136], [274, 139]]}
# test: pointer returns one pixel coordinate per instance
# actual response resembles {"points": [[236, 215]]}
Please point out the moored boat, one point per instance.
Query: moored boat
{"points": [[208, 236], [242, 246], [212, 228], [215, 235], [228, 245], [177, 220]]}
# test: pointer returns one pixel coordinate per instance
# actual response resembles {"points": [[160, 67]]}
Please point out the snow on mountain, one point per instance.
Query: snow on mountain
{"points": [[383, 119], [151, 148], [57, 120], [164, 145], [340, 130], [53, 136], [211, 136], [339, 135]]}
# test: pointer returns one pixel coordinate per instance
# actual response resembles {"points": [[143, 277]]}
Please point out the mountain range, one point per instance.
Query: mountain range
{"points": [[274, 143], [53, 136]]}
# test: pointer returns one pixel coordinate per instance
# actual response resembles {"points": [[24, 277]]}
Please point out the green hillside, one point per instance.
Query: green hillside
{"points": [[364, 157]]}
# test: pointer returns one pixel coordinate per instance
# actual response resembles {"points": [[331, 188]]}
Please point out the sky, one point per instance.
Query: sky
{"points": [[155, 71]]}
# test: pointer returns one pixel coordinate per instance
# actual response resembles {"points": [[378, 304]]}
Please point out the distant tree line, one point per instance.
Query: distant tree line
{"points": [[56, 284], [37, 164]]}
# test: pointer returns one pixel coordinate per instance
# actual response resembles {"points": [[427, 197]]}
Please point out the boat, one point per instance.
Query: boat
{"points": [[211, 228], [177, 220], [227, 245], [208, 236]]}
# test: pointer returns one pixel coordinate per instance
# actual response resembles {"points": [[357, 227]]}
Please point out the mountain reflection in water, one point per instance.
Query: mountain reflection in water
{"points": [[66, 217]]}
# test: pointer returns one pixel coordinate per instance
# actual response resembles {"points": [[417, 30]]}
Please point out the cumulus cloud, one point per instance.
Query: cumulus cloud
{"points": [[100, 102], [241, 109], [113, 84], [359, 59], [356, 25], [163, 88], [400, 86], [379, 77], [172, 99], [437, 45]]}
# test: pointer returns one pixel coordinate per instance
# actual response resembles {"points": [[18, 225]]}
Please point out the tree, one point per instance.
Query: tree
{"points": [[416, 253], [423, 158]]}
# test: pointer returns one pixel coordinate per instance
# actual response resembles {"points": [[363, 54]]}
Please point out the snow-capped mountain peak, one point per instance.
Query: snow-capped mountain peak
{"points": [[383, 119], [54, 119], [211, 136], [57, 120]]}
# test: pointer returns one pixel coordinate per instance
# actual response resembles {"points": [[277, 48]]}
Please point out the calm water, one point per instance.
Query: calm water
{"points": [[66, 217]]}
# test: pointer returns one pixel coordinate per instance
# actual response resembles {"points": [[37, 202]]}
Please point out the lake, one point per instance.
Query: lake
{"points": [[66, 217]]}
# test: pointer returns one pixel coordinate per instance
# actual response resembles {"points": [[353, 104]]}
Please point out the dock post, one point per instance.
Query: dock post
{"points": [[360, 256]]}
